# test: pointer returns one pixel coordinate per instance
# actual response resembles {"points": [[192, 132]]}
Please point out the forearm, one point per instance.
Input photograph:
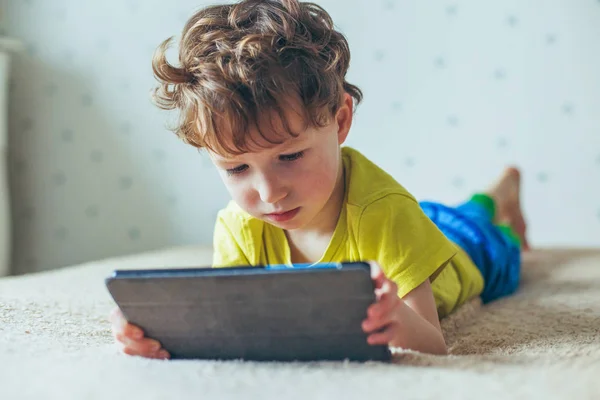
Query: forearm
{"points": [[416, 333]]}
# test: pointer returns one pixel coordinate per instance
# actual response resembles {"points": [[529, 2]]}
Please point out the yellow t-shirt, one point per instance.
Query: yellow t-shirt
{"points": [[380, 220]]}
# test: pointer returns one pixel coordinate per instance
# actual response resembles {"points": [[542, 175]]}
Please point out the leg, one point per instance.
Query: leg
{"points": [[505, 234], [501, 205], [506, 193], [490, 227]]}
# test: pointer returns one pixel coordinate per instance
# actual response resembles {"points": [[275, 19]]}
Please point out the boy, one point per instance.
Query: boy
{"points": [[262, 88]]}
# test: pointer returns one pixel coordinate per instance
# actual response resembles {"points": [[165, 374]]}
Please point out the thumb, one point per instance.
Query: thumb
{"points": [[377, 274]]}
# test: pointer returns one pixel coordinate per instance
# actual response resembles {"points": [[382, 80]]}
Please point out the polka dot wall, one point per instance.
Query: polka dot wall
{"points": [[454, 91]]}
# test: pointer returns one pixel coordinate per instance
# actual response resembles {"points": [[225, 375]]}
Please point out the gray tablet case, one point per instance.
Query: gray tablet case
{"points": [[252, 313]]}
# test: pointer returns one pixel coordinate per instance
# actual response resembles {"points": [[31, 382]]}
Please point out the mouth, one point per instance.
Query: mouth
{"points": [[283, 216]]}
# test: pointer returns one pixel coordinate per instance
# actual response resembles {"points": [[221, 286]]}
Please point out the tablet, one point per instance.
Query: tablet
{"points": [[264, 313]]}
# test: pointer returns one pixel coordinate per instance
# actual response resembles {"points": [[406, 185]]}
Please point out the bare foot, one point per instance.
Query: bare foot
{"points": [[506, 192]]}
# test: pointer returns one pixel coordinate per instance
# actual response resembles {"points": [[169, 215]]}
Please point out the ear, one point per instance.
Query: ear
{"points": [[343, 118]]}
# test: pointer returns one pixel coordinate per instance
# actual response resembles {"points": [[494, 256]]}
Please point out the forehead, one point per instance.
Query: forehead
{"points": [[273, 131], [261, 146]]}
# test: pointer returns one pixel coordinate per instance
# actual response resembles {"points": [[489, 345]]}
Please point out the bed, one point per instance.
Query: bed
{"points": [[543, 342]]}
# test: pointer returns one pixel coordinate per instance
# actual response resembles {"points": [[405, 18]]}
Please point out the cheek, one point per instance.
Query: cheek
{"points": [[241, 194], [318, 182]]}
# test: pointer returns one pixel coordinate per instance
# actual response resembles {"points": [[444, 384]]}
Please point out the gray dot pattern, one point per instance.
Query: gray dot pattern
{"points": [[92, 160]]}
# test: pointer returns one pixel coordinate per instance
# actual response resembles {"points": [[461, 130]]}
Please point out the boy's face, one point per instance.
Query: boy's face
{"points": [[290, 185]]}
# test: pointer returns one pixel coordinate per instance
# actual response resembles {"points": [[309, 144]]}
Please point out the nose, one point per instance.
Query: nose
{"points": [[271, 189]]}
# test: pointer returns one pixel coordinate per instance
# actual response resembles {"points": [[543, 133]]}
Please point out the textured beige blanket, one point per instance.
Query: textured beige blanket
{"points": [[544, 342]]}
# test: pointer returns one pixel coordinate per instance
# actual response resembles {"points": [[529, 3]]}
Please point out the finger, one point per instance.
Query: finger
{"points": [[159, 355], [146, 347], [164, 355], [381, 313], [374, 324], [388, 288], [133, 331], [138, 345], [133, 352], [382, 338], [115, 317], [385, 304], [120, 324], [117, 320]]}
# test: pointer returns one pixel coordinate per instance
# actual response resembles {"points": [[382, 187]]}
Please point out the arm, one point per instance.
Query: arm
{"points": [[410, 323], [410, 251]]}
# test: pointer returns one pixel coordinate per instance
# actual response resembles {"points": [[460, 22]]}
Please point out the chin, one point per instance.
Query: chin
{"points": [[288, 225]]}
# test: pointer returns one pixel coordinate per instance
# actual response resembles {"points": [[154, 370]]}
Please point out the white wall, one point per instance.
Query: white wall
{"points": [[453, 91]]}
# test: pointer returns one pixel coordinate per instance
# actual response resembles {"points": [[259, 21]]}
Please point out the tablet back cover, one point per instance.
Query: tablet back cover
{"points": [[302, 315]]}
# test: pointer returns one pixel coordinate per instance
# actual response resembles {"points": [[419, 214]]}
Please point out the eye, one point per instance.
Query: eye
{"points": [[237, 170], [291, 157]]}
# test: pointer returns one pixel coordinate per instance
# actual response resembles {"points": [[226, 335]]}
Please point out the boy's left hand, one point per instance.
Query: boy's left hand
{"points": [[383, 323]]}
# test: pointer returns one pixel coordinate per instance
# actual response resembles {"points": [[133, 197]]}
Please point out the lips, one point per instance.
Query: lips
{"points": [[284, 216]]}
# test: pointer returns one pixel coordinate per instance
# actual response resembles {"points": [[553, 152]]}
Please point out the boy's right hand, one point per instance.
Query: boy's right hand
{"points": [[131, 338]]}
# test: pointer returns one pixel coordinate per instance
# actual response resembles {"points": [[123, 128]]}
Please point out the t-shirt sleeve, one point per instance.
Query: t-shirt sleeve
{"points": [[395, 232], [227, 252]]}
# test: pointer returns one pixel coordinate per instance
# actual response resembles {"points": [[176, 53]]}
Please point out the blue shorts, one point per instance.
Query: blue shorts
{"points": [[495, 253]]}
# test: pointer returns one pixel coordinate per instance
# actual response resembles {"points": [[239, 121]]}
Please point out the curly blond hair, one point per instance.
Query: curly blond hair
{"points": [[240, 61]]}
